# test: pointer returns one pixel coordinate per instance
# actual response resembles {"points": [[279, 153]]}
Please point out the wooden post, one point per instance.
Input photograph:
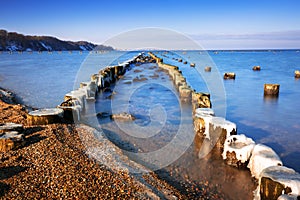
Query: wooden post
{"points": [[45, 116], [229, 75], [297, 74], [11, 140], [271, 89], [207, 69]]}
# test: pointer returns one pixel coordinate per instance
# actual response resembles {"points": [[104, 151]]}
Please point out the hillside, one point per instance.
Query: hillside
{"points": [[12, 41]]}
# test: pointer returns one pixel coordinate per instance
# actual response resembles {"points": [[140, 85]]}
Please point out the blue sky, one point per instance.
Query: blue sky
{"points": [[215, 24]]}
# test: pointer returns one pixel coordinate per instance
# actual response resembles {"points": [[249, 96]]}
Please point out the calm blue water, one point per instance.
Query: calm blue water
{"points": [[42, 80], [274, 122]]}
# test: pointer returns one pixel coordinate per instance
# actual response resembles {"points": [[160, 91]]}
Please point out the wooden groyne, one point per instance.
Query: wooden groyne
{"points": [[74, 104], [275, 181]]}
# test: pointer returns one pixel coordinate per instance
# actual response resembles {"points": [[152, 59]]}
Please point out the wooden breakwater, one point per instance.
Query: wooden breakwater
{"points": [[74, 104], [275, 181], [237, 150]]}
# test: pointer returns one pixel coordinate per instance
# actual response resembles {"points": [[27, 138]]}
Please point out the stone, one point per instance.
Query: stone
{"points": [[256, 68], [207, 69], [229, 75], [123, 116], [45, 116], [277, 180], [297, 74], [11, 140], [271, 89], [103, 115], [137, 70], [139, 79]]}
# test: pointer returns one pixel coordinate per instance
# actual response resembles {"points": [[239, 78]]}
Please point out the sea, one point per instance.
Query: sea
{"points": [[41, 79]]}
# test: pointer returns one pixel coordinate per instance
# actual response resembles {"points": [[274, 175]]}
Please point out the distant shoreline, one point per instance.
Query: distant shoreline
{"points": [[209, 50]]}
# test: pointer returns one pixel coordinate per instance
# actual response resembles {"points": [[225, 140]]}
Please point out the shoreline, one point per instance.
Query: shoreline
{"points": [[56, 154], [158, 193]]}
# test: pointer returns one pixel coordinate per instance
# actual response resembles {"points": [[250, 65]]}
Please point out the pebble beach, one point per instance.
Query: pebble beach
{"points": [[52, 165]]}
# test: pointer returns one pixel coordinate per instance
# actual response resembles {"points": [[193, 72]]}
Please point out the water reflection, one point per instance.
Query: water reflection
{"points": [[271, 98]]}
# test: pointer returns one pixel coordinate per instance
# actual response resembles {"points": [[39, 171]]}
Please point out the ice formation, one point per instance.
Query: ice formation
{"points": [[241, 145], [262, 158], [206, 114], [205, 111], [223, 123], [288, 197], [285, 176]]}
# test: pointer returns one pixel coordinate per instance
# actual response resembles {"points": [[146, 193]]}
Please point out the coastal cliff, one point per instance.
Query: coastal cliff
{"points": [[12, 41]]}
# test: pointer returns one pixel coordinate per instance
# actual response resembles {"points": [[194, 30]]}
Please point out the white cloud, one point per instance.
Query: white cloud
{"points": [[280, 39]]}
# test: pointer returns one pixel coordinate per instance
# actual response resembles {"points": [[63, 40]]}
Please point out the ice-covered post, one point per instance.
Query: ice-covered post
{"points": [[215, 129]]}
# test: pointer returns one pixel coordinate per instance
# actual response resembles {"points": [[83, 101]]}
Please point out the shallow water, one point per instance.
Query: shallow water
{"points": [[42, 80], [193, 176], [272, 121]]}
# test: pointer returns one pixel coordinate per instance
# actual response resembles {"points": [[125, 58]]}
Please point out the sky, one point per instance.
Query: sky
{"points": [[213, 24]]}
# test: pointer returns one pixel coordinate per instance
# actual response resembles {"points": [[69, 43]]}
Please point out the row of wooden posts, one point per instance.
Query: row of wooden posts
{"points": [[219, 134]]}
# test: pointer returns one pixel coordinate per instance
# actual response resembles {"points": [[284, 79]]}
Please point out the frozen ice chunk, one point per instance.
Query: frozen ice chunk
{"points": [[241, 145], [205, 111], [288, 197], [285, 176], [262, 157]]}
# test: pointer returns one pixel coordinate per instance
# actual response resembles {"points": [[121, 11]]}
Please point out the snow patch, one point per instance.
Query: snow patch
{"points": [[262, 158], [241, 145], [46, 46], [83, 48]]}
